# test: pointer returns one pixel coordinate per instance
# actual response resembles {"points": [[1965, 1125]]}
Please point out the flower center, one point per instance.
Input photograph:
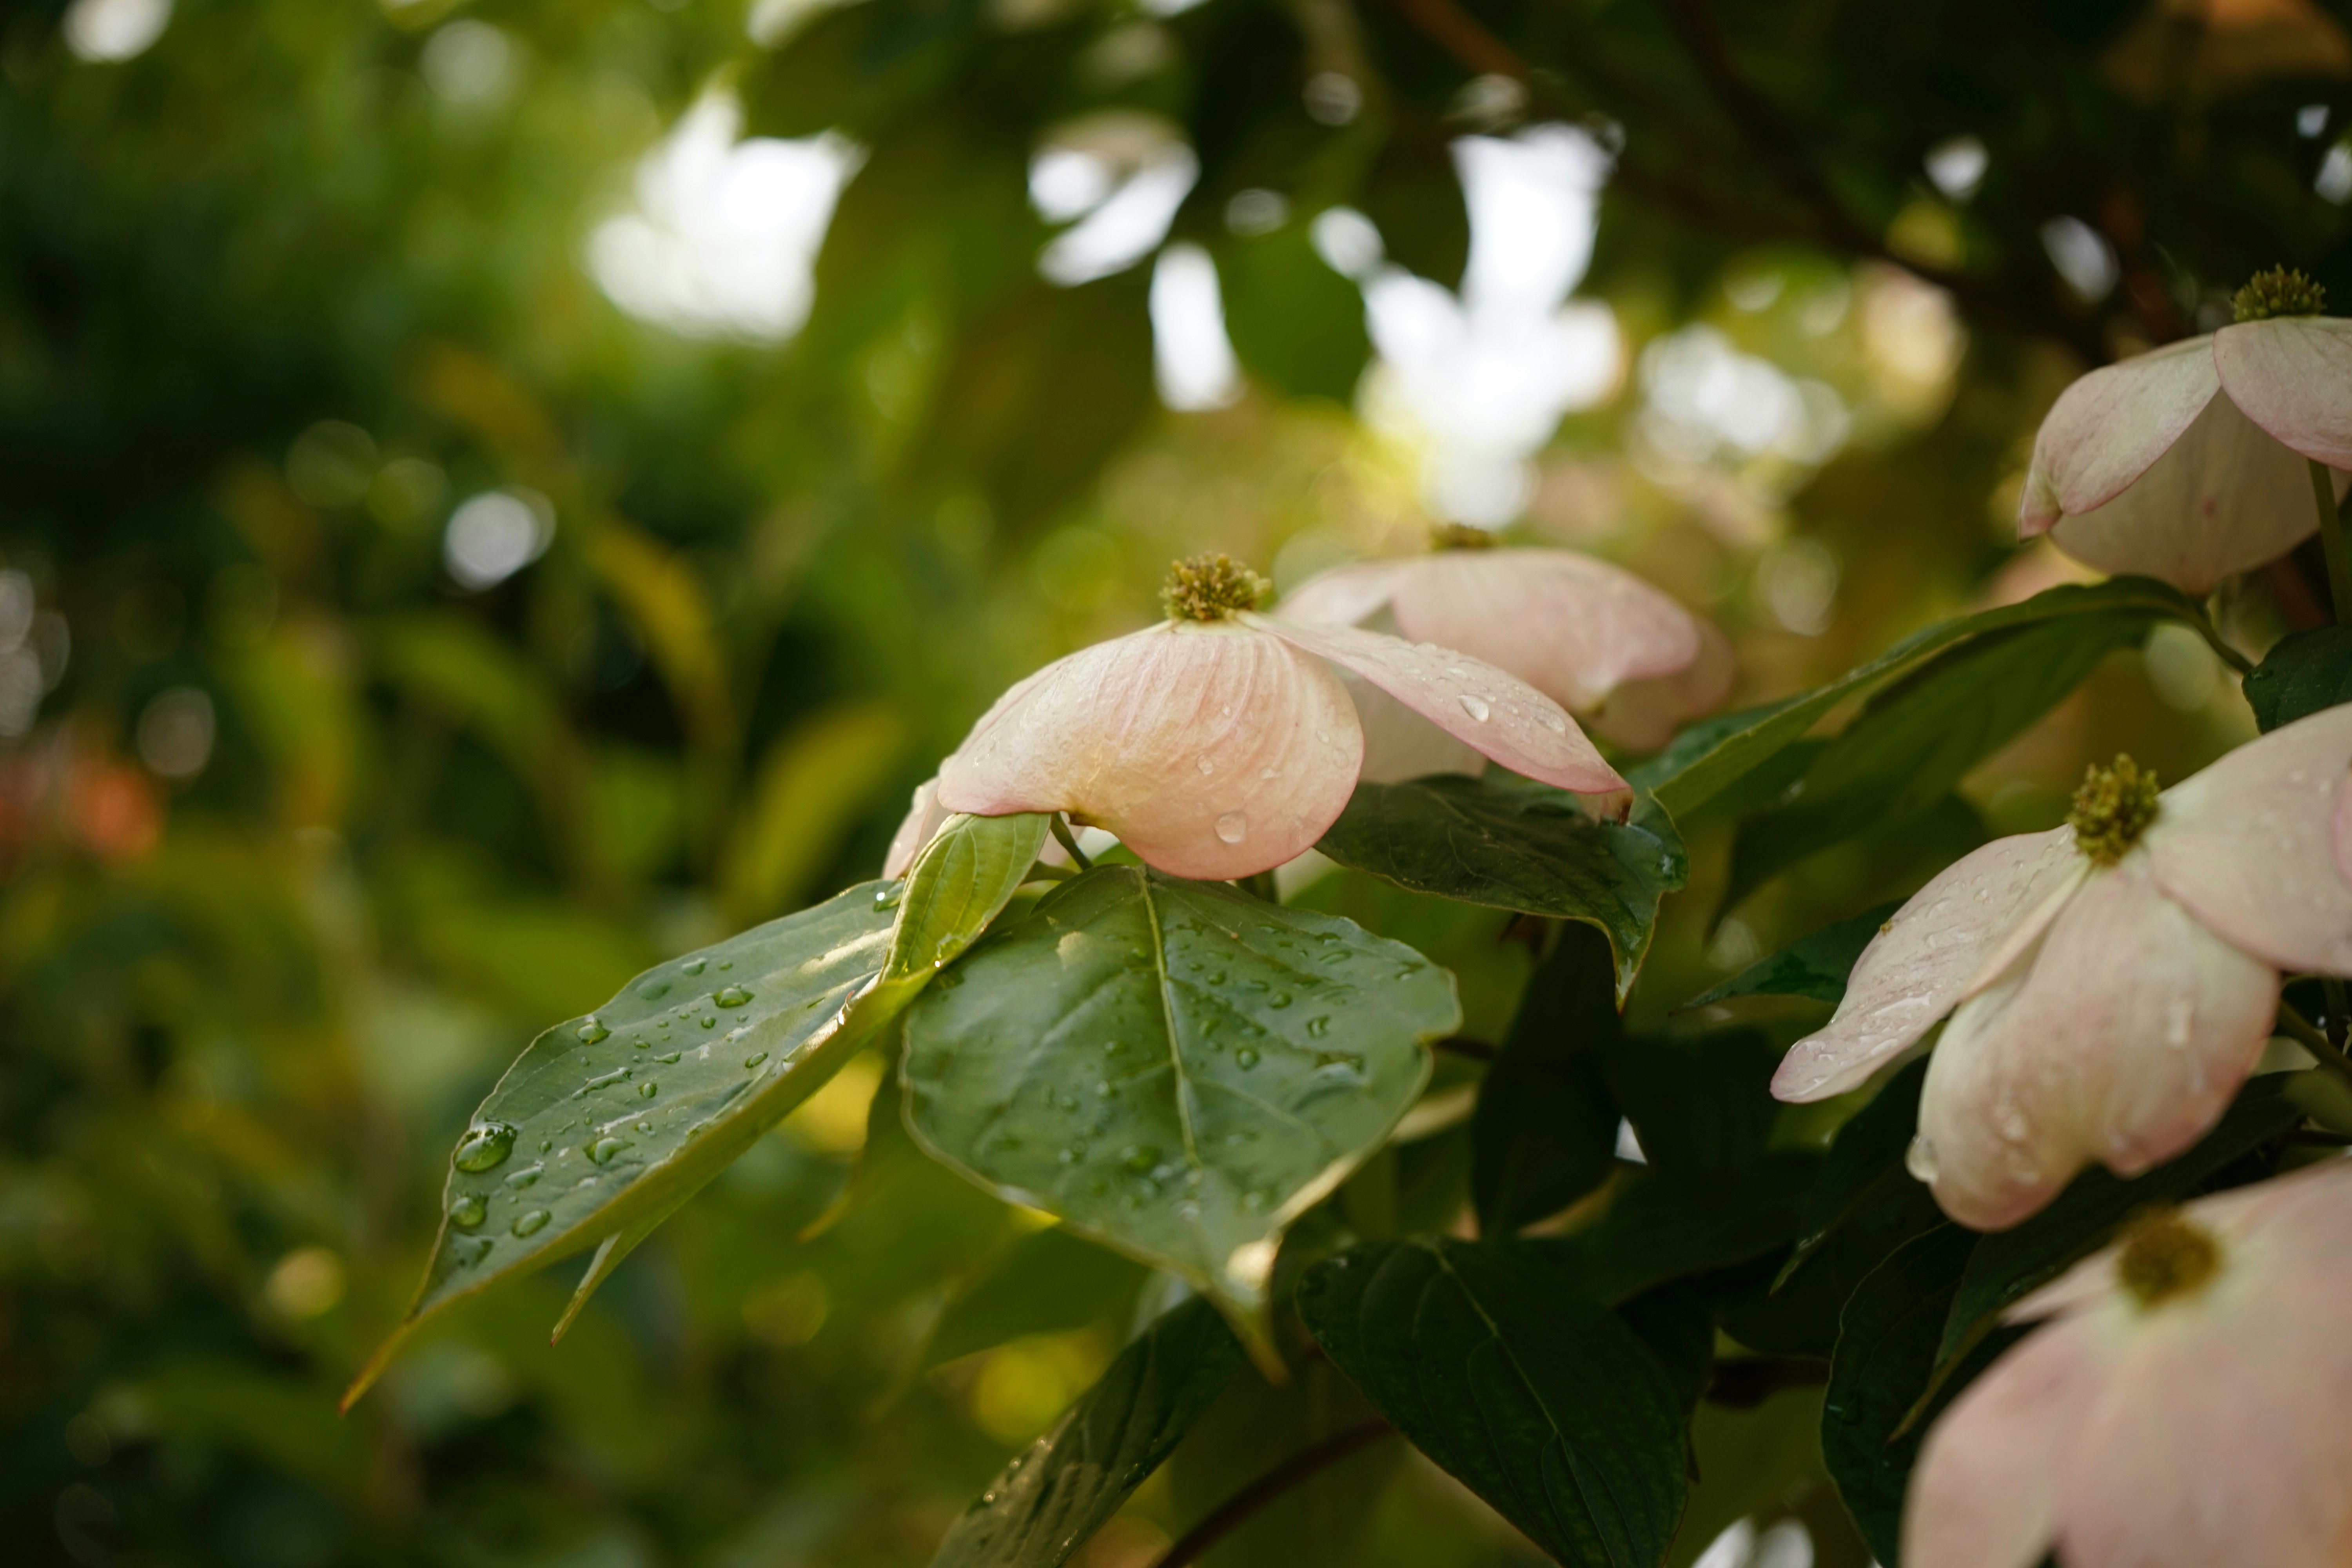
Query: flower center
{"points": [[1461, 536], [1211, 588], [2112, 809], [2167, 1257], [2279, 292]]}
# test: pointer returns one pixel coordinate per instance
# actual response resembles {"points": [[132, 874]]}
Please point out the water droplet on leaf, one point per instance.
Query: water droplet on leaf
{"points": [[469, 1212], [732, 996], [592, 1033], [531, 1223], [603, 1148]]}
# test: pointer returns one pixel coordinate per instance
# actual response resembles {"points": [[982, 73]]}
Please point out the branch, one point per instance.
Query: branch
{"points": [[1303, 1465]]}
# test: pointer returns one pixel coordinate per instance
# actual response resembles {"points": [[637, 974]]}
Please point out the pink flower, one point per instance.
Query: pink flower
{"points": [[1593, 637], [2186, 1403], [2189, 463], [1221, 743], [2115, 979]]}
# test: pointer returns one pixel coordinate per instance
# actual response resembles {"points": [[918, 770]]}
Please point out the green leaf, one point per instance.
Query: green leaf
{"points": [[2009, 1264], [1662, 1228], [2306, 672], [1698, 1106], [1545, 1131], [1885, 1353], [1686, 776], [1295, 324], [1531, 1393], [1046, 1282], [1064, 1487], [608, 1122], [1511, 844], [1917, 739], [1175, 1068], [1813, 967]]}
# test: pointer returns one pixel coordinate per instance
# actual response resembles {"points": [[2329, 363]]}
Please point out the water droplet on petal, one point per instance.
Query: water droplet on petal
{"points": [[1554, 721], [1232, 827], [485, 1147], [1475, 706], [469, 1212], [1205, 765], [532, 1223]]}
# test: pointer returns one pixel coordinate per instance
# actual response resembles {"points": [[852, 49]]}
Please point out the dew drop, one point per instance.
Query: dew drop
{"points": [[1279, 999], [694, 965], [654, 990], [1232, 827], [669, 1057], [1140, 1158], [603, 1148], [485, 1147], [1205, 765], [755, 1058], [1553, 719], [592, 1033], [1318, 1027], [732, 996], [526, 1175], [468, 1213], [710, 1020], [647, 1090], [531, 1223], [1475, 706], [887, 898], [1245, 1058]]}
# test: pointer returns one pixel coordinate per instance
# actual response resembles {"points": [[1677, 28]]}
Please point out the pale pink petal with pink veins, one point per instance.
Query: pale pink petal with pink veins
{"points": [[1213, 751], [2223, 500], [1643, 715], [1919, 966], [2110, 426], [2293, 376], [2119, 1039], [2249, 845], [1344, 596], [1985, 1492], [1573, 628], [1495, 714]]}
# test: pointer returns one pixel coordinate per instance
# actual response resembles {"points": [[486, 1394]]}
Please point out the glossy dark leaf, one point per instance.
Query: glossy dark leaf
{"points": [[1725, 752], [1511, 844], [1532, 1393], [1175, 1068], [1545, 1131], [1698, 1106], [608, 1122], [1813, 967], [1662, 1227], [1046, 1282], [2304, 673], [1062, 1487], [1885, 1354]]}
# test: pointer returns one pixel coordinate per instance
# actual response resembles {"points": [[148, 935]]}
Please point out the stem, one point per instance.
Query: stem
{"points": [[1300, 1467], [1262, 886], [1069, 841], [2228, 655], [2301, 1031], [2331, 538]]}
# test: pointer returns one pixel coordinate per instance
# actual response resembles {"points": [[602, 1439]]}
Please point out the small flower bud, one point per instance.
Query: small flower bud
{"points": [[1211, 588], [2279, 292]]}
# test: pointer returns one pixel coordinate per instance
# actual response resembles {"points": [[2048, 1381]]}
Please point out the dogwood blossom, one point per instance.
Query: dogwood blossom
{"points": [[2187, 1401], [1591, 636], [2189, 463], [1220, 743], [2111, 982]]}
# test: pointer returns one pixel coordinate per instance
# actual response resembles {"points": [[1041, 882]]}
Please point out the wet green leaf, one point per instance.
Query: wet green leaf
{"points": [[1531, 1393], [1059, 1490], [2306, 672], [1175, 1068], [608, 1122], [1687, 775], [1545, 1131], [1512, 843]]}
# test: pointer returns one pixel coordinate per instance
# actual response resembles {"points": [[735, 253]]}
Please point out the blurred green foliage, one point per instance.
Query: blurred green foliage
{"points": [[306, 838]]}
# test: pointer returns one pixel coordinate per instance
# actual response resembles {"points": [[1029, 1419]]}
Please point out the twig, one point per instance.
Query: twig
{"points": [[1300, 1467], [2304, 1034], [1069, 841]]}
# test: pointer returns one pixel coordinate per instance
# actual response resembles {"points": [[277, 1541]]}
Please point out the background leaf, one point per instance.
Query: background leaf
{"points": [[1175, 1068], [2303, 672], [1060, 1489], [1512, 843], [1048, 1282], [1533, 1395], [1545, 1131], [1814, 967]]}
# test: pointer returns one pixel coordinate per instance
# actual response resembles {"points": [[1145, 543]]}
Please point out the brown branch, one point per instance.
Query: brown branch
{"points": [[1301, 1467]]}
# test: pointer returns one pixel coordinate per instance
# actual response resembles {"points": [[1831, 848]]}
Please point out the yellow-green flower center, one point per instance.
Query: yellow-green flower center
{"points": [[1211, 588], [2112, 809], [2279, 292], [1461, 536], [2167, 1257]]}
